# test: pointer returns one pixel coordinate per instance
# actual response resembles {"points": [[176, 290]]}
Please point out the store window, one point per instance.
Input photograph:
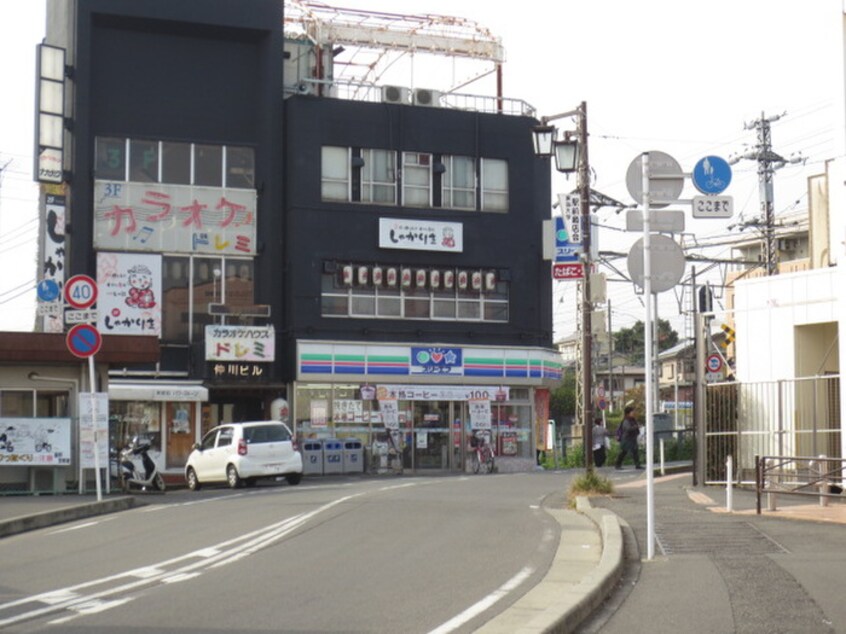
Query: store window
{"points": [[176, 163], [192, 283], [128, 419], [180, 163]]}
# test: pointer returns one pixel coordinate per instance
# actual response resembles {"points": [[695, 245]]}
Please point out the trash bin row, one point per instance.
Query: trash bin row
{"points": [[332, 455]]}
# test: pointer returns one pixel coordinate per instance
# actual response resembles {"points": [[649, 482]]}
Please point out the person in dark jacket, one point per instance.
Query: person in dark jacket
{"points": [[630, 430]]}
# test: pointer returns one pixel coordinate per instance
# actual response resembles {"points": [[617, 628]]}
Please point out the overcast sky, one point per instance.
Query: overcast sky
{"points": [[679, 77]]}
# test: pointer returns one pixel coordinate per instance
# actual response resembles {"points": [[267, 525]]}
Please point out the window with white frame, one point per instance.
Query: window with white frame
{"points": [[458, 182], [494, 185], [413, 292], [378, 177], [172, 162], [335, 173], [370, 175], [190, 284], [416, 179]]}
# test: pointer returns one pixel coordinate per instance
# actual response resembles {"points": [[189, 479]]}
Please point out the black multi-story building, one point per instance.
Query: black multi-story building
{"points": [[348, 262]]}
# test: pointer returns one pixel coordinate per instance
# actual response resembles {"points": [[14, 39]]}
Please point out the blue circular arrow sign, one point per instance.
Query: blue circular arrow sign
{"points": [[84, 340], [711, 175]]}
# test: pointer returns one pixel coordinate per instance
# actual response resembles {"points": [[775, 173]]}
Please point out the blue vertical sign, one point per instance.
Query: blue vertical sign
{"points": [[565, 251]]}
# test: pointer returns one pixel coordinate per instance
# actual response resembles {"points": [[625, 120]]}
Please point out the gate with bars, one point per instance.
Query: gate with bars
{"points": [[795, 417]]}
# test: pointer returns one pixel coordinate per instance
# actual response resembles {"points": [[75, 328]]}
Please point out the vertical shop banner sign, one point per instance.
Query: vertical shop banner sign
{"points": [[240, 343], [174, 218], [53, 264], [390, 413], [319, 413], [27, 442], [480, 413], [541, 418], [130, 294], [93, 415]]}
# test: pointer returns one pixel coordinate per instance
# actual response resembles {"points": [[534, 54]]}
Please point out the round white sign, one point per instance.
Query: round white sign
{"points": [[666, 263]]}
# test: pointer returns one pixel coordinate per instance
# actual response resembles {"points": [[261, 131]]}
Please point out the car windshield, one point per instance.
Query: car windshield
{"points": [[266, 433]]}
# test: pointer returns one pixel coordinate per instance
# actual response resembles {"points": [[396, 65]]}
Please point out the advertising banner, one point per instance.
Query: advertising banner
{"points": [[40, 442], [130, 294]]}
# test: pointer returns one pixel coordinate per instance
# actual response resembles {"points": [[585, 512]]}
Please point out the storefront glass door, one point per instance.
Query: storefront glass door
{"points": [[431, 435]]}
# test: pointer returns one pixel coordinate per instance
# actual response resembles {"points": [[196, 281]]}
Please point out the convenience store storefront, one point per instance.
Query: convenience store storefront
{"points": [[426, 400]]}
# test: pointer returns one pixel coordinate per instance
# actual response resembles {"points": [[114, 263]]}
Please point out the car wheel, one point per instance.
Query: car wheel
{"points": [[232, 477], [294, 478], [192, 480]]}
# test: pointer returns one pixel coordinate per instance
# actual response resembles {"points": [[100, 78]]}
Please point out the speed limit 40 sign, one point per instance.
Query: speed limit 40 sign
{"points": [[80, 292]]}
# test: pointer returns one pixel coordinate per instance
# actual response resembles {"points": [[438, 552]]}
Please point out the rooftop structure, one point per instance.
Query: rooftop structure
{"points": [[377, 56]]}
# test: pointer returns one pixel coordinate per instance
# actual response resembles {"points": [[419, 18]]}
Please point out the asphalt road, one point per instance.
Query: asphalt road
{"points": [[381, 555]]}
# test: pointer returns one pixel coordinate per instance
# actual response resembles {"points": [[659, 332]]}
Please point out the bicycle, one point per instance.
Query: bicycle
{"points": [[483, 456]]}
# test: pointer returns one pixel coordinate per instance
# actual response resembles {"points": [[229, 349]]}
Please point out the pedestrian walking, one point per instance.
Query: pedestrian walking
{"points": [[600, 442], [629, 432]]}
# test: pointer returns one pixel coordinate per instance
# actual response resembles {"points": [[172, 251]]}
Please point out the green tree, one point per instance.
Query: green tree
{"points": [[562, 400], [629, 341]]}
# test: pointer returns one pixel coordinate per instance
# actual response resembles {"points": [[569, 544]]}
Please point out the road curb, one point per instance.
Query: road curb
{"points": [[70, 513], [594, 587]]}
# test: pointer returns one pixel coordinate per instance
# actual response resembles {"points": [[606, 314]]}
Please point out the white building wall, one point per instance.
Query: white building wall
{"points": [[766, 311]]}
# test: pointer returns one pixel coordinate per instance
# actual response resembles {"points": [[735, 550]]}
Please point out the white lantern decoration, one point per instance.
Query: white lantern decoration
{"points": [[434, 278], [363, 275], [490, 281], [391, 277], [462, 280], [377, 276], [347, 275], [420, 278], [449, 280], [477, 280], [405, 278]]}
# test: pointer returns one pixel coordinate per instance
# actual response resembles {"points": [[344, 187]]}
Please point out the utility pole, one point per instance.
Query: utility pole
{"points": [[768, 161]]}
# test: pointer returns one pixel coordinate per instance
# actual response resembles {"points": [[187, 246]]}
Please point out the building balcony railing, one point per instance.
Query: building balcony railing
{"points": [[359, 91]]}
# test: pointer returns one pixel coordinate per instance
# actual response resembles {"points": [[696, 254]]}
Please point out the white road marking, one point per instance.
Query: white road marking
{"points": [[480, 606], [193, 564]]}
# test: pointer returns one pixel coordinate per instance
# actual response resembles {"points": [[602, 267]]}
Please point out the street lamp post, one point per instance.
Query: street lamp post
{"points": [[571, 155]]}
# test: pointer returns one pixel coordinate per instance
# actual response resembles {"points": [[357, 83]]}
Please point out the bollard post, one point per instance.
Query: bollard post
{"points": [[771, 497], [729, 483], [661, 451]]}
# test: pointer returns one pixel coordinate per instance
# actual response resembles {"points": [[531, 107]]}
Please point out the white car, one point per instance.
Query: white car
{"points": [[241, 453]]}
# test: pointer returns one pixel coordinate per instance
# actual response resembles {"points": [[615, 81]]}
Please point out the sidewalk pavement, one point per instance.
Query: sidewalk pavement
{"points": [[712, 570]]}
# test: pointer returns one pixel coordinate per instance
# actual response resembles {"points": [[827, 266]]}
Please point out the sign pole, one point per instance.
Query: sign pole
{"points": [[647, 335], [94, 416]]}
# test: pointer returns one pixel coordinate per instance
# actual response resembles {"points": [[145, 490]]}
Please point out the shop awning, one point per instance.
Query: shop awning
{"points": [[157, 391]]}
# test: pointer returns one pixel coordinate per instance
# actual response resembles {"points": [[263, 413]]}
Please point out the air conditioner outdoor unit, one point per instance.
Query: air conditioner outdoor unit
{"points": [[395, 94], [427, 97]]}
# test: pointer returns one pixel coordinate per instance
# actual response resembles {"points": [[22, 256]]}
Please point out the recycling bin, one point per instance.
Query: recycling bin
{"points": [[353, 456], [333, 456], [312, 457]]}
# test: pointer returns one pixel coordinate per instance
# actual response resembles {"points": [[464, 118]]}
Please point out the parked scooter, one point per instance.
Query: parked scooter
{"points": [[131, 475]]}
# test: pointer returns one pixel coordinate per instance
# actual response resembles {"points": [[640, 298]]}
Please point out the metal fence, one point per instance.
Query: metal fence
{"points": [[796, 417]]}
